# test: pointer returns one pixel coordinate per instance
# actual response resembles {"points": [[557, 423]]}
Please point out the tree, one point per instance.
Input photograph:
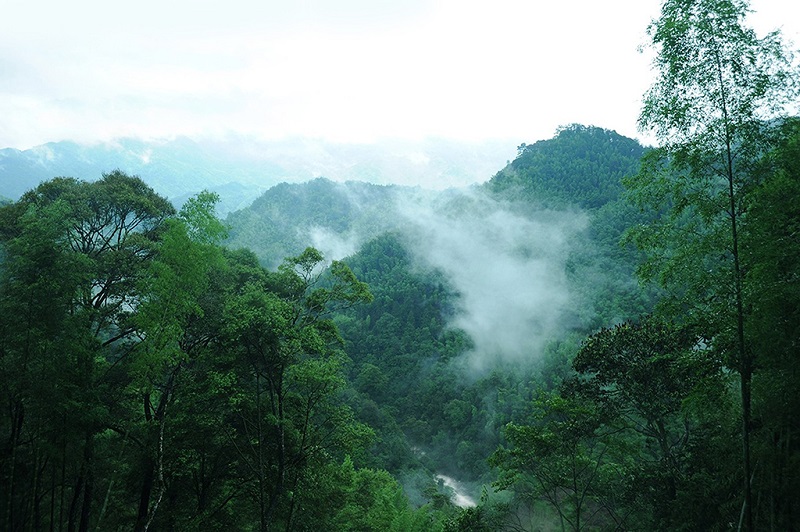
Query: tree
{"points": [[772, 295], [645, 374], [157, 381], [171, 288], [37, 283], [564, 456], [713, 109], [100, 237], [290, 349]]}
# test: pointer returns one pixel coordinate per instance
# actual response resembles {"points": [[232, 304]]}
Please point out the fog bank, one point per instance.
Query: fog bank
{"points": [[506, 265]]}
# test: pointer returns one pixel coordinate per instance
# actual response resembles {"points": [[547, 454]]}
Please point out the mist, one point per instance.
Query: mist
{"points": [[506, 265], [332, 245]]}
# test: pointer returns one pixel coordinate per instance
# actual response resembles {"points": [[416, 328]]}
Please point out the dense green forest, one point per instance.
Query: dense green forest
{"points": [[602, 336]]}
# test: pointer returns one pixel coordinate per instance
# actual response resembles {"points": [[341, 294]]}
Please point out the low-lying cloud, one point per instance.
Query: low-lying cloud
{"points": [[507, 266]]}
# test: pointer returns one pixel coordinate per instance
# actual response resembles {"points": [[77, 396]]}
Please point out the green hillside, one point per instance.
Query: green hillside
{"points": [[478, 356], [581, 165]]}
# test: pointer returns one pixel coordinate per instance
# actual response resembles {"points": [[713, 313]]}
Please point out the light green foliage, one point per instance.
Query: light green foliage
{"points": [[174, 281], [716, 108], [717, 79], [374, 501], [718, 86], [202, 223]]}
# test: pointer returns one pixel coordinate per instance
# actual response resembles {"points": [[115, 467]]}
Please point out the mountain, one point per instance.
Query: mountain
{"points": [[581, 165], [550, 220], [477, 289], [580, 168], [239, 169], [479, 292], [336, 218]]}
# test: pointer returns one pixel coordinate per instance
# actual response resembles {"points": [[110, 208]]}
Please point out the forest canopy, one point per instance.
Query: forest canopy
{"points": [[163, 369]]}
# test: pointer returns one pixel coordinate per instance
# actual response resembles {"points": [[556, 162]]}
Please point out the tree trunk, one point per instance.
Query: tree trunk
{"points": [[88, 489], [145, 493], [745, 364], [76, 495], [17, 419]]}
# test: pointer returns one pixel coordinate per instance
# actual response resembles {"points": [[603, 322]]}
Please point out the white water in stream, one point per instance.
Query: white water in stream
{"points": [[460, 498]]}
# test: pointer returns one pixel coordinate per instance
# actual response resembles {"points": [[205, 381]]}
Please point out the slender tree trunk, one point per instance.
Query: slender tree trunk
{"points": [[161, 485], [63, 486], [276, 393], [76, 495], [261, 479], [17, 418], [88, 490], [745, 364], [145, 493], [148, 469], [145, 514], [36, 503], [52, 498]]}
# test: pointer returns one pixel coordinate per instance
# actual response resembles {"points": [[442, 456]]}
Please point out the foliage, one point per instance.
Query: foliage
{"points": [[564, 457], [581, 165], [159, 381], [772, 253], [284, 220], [716, 108], [156, 380]]}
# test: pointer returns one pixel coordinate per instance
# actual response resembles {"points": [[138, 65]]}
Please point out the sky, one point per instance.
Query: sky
{"points": [[343, 70]]}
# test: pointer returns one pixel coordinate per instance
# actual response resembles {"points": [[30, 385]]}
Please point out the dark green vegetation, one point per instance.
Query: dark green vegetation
{"points": [[154, 380], [287, 217], [162, 371], [595, 160], [671, 421]]}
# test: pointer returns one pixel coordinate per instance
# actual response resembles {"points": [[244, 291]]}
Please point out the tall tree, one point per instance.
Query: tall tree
{"points": [[291, 370], [172, 286], [772, 246], [562, 456], [712, 108], [646, 375], [89, 245]]}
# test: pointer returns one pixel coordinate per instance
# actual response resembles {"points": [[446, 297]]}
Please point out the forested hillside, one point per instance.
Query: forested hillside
{"points": [[601, 336], [582, 165], [189, 364], [423, 375], [335, 217], [169, 367]]}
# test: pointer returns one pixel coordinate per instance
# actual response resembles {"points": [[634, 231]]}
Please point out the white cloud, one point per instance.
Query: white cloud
{"points": [[508, 269], [348, 70]]}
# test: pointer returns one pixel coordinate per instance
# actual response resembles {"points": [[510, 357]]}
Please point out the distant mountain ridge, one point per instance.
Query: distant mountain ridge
{"points": [[240, 168], [581, 167]]}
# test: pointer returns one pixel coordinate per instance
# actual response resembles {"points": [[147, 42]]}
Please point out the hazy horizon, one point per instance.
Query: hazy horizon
{"points": [[348, 72]]}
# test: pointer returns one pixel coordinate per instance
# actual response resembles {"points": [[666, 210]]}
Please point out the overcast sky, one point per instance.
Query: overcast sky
{"points": [[343, 70]]}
